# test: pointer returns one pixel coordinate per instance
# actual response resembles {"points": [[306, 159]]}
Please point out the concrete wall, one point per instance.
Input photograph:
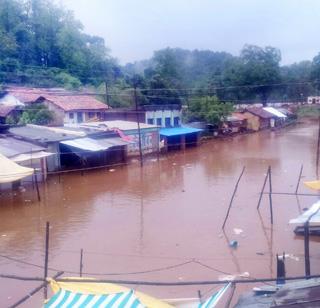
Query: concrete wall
{"points": [[53, 162], [58, 113], [71, 117], [253, 121], [313, 100], [149, 141], [163, 114]]}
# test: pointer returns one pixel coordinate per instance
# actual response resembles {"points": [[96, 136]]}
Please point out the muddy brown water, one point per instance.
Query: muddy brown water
{"points": [[168, 213]]}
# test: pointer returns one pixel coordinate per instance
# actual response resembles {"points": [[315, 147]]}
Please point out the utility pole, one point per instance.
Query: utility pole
{"points": [[138, 123], [107, 91]]}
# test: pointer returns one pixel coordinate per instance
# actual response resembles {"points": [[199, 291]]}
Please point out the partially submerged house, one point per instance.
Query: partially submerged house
{"points": [[262, 118], [130, 132], [26, 154], [71, 147], [179, 138]]}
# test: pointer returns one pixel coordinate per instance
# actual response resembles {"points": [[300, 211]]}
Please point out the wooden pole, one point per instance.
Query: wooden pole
{"points": [[270, 196], [81, 263], [46, 259], [200, 296], [34, 291], [263, 187], [37, 185], [138, 123], [233, 195], [233, 288], [299, 179], [306, 249]]}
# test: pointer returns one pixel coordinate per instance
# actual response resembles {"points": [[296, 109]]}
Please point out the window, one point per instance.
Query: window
{"points": [[71, 116], [91, 115], [159, 121], [176, 121], [168, 122], [150, 121]]}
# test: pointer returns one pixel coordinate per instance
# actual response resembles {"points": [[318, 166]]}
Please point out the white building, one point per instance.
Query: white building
{"points": [[163, 116], [313, 100]]}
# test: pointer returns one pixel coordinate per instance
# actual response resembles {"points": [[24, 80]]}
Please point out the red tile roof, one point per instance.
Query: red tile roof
{"points": [[67, 101], [76, 102], [5, 110], [260, 112]]}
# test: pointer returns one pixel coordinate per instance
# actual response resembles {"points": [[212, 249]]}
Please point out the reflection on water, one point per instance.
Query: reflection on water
{"points": [[167, 213]]}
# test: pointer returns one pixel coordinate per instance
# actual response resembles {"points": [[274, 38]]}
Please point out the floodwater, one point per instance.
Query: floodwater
{"points": [[163, 222]]}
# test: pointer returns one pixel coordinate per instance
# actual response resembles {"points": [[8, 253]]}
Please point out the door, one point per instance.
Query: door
{"points": [[79, 117]]}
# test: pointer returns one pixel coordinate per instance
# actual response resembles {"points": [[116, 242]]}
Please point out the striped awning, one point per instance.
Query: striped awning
{"points": [[64, 298]]}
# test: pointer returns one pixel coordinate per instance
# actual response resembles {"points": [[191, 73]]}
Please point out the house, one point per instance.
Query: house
{"points": [[72, 109], [236, 122], [149, 134], [163, 115], [67, 107], [262, 118], [26, 154], [9, 114], [313, 100], [178, 138], [159, 115], [49, 138], [74, 147]]}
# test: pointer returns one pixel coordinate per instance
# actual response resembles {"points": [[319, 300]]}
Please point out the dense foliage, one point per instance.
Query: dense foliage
{"points": [[36, 114], [208, 109], [44, 44]]}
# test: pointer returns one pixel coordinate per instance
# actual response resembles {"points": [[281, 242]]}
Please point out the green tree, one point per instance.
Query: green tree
{"points": [[36, 114], [209, 109]]}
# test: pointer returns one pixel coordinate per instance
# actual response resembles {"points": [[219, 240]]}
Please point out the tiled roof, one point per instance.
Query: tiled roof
{"points": [[66, 100], [76, 102], [260, 112], [5, 110]]}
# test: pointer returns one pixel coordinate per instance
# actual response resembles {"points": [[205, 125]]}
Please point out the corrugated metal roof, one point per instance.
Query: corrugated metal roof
{"points": [[120, 124], [260, 112], [275, 112], [94, 145], [41, 134], [10, 147], [178, 131]]}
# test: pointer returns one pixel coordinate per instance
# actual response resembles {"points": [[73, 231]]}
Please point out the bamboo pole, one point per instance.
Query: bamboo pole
{"points": [[270, 196], [81, 263], [306, 249], [299, 179], [37, 185], [263, 187], [232, 198], [34, 291], [46, 259]]}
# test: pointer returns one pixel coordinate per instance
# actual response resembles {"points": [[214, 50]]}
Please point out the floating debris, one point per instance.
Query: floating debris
{"points": [[233, 244], [112, 170], [237, 231]]}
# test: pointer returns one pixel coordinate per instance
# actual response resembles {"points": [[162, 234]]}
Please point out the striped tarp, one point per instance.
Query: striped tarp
{"points": [[67, 299]]}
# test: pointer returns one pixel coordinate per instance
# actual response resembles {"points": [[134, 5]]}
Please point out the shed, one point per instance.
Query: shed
{"points": [[179, 137], [89, 152], [149, 134]]}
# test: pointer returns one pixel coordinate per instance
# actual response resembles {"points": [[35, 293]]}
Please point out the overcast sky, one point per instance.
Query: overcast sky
{"points": [[133, 29]]}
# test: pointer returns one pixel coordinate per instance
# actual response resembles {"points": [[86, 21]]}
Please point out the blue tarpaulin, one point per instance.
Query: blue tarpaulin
{"points": [[178, 131]]}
